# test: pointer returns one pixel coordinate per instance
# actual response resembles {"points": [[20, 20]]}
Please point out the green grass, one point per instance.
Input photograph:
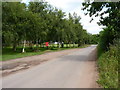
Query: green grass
{"points": [[108, 68], [8, 53]]}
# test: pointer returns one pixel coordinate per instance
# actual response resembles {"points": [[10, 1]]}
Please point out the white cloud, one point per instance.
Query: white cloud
{"points": [[75, 6], [92, 27], [63, 4], [24, 1]]}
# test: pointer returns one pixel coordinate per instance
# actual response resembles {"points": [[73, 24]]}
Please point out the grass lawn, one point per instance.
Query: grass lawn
{"points": [[8, 53]]}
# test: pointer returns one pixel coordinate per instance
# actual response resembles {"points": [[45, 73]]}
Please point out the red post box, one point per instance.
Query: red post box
{"points": [[47, 44]]}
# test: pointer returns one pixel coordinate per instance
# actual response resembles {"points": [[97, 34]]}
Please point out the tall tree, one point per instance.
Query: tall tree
{"points": [[13, 14]]}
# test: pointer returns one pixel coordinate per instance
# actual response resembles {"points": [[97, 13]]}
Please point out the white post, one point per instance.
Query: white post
{"points": [[23, 50], [59, 44]]}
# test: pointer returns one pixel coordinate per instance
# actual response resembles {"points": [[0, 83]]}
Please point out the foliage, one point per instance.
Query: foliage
{"points": [[110, 17], [106, 39], [108, 67], [95, 38]]}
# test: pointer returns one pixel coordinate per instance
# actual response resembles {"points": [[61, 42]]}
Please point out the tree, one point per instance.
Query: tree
{"points": [[13, 14], [111, 21], [95, 39]]}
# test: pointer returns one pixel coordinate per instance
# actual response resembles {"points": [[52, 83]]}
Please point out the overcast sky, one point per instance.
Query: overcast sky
{"points": [[71, 6]]}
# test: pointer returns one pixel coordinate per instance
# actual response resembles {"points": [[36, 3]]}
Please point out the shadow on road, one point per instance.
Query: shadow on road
{"points": [[91, 57]]}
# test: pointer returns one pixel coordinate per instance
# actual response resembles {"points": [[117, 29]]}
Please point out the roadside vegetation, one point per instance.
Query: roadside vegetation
{"points": [[8, 53], [108, 68], [109, 41]]}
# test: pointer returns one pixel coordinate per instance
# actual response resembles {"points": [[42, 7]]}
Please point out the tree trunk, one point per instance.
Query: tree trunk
{"points": [[40, 45], [58, 45], [69, 45], [37, 45], [73, 44], [30, 45], [62, 44], [43, 45], [79, 44], [14, 45]]}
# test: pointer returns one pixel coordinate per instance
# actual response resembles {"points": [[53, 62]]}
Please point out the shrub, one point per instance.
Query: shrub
{"points": [[108, 67]]}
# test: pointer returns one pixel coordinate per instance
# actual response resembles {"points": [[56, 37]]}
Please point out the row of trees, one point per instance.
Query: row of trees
{"points": [[39, 22]]}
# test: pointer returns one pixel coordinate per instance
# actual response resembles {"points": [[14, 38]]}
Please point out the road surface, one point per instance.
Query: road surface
{"points": [[74, 70]]}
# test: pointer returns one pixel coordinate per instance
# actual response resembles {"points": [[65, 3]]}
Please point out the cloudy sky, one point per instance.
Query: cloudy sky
{"points": [[71, 6]]}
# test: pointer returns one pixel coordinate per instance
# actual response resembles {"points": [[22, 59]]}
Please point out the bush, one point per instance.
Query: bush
{"points": [[108, 67], [107, 37]]}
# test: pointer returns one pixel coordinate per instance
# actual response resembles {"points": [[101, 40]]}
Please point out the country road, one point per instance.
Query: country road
{"points": [[74, 70]]}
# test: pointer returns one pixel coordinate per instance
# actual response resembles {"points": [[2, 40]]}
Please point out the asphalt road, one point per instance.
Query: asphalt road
{"points": [[74, 70]]}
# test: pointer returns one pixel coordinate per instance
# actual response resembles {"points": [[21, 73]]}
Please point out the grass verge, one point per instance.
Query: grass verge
{"points": [[108, 68], [8, 53]]}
